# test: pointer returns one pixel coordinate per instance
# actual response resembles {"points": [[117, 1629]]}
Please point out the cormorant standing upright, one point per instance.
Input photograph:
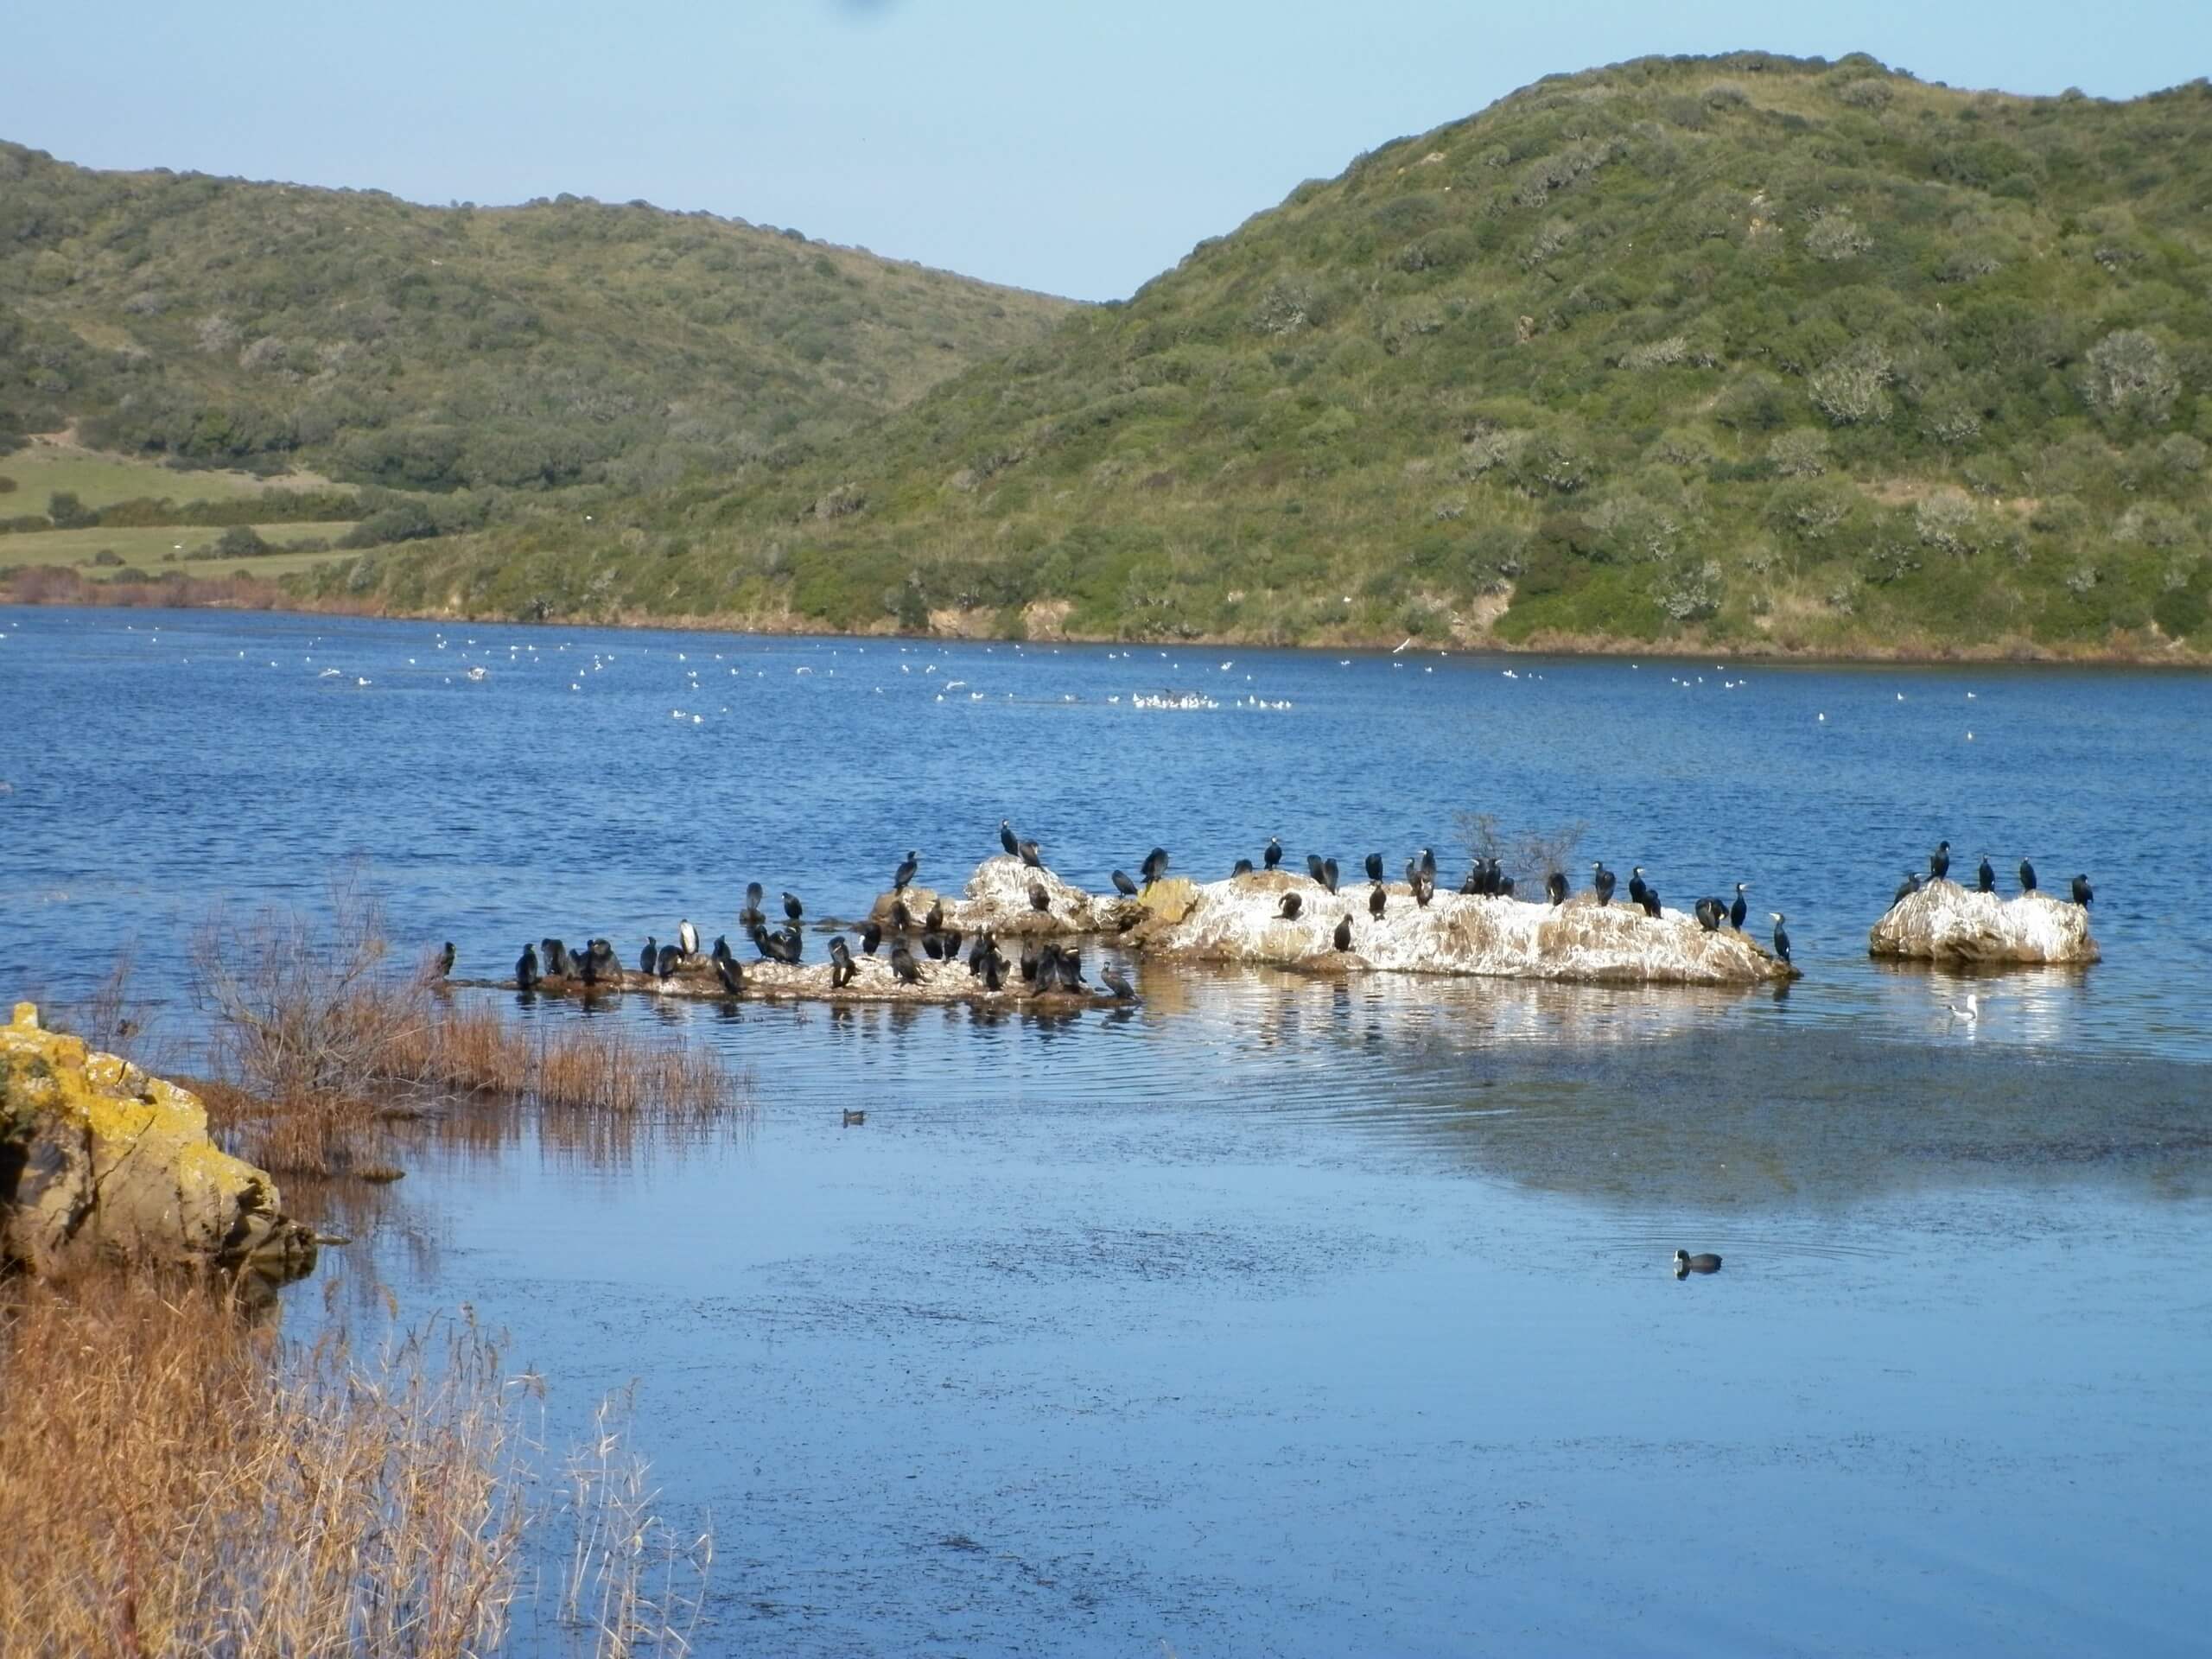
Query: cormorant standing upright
{"points": [[526, 969], [1039, 899], [1738, 911], [1329, 874], [871, 935], [2083, 892], [1555, 888], [1375, 867], [1155, 867], [1911, 884], [650, 957], [1006, 839], [1377, 897], [732, 976], [669, 955], [1342, 938], [1602, 881], [1033, 855], [2027, 876], [1984, 878], [687, 938], [1273, 856], [1650, 901], [842, 967], [905, 873], [792, 908], [1710, 915], [1781, 935], [1429, 862], [1313, 868], [1939, 861], [445, 960], [1636, 885]]}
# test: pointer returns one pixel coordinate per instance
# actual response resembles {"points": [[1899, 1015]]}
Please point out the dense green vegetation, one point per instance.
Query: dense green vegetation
{"points": [[1744, 349], [502, 353]]}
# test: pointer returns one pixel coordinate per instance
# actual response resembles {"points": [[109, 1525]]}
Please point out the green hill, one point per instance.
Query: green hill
{"points": [[1748, 349], [501, 353]]}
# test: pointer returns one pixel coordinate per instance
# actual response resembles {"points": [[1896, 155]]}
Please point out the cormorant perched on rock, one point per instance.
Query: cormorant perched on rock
{"points": [[1070, 968], [1314, 869], [933, 944], [1602, 881], [1473, 883], [1039, 899], [1377, 897], [904, 967], [1636, 885], [1911, 884], [905, 873], [1033, 855], [1555, 888], [1123, 885], [720, 952], [669, 955], [1985, 879], [1710, 915], [1781, 935], [552, 959], [732, 976], [934, 922], [1047, 975], [1738, 911], [1155, 867], [1329, 874], [1118, 983], [1375, 867], [791, 942], [752, 914], [994, 972], [1429, 863], [526, 969], [901, 917], [842, 968], [588, 964], [1273, 856], [1243, 867], [1504, 887], [1008, 840], [1650, 901], [687, 938], [792, 908], [650, 957], [2027, 876], [1939, 861], [443, 966], [2083, 892], [871, 935], [1704, 1261], [1424, 889], [952, 937], [1030, 957], [1342, 938], [986, 947], [1292, 903]]}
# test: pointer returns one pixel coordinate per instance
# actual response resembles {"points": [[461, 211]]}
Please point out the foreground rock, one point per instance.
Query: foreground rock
{"points": [[98, 1161], [1946, 922], [1240, 920]]}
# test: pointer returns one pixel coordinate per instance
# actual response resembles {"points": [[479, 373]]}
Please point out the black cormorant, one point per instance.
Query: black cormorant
{"points": [[526, 969], [1738, 910], [1636, 885], [842, 968], [1906, 888], [1243, 867], [1342, 938], [934, 922], [1710, 914], [669, 955], [732, 976], [1039, 899], [1424, 889], [905, 873], [904, 967], [1555, 888], [1313, 867], [901, 917], [1504, 888], [552, 959], [933, 944], [792, 908], [1030, 957], [1032, 855], [1651, 900], [1781, 935], [1123, 885], [445, 960], [1602, 881], [1008, 840], [1273, 856], [1985, 879], [871, 935], [650, 957], [993, 972], [1377, 897], [1473, 884], [791, 942], [2083, 892], [1375, 867], [2027, 876], [751, 913], [1070, 969], [1429, 863], [1117, 981], [1329, 874], [1047, 977], [1939, 861], [1292, 903], [1154, 867]]}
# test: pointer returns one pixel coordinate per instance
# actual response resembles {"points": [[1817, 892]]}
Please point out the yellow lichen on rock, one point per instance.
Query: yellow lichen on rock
{"points": [[106, 1162]]}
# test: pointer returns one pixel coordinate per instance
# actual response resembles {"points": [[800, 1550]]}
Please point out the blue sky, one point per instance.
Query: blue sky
{"points": [[1078, 148]]}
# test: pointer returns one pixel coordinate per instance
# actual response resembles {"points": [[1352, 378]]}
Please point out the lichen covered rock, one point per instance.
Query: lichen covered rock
{"points": [[998, 898], [100, 1161], [1240, 920], [1945, 922]]}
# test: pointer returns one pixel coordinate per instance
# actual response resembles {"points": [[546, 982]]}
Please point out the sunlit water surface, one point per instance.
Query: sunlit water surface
{"points": [[1278, 1315]]}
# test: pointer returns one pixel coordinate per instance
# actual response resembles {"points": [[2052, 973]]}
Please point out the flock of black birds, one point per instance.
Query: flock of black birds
{"points": [[1053, 967], [1985, 880]]}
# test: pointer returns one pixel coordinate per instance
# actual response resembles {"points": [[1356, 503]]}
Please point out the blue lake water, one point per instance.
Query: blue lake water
{"points": [[1280, 1315]]}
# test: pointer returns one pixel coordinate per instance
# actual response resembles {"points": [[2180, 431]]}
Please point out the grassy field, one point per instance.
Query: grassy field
{"points": [[164, 548], [101, 480]]}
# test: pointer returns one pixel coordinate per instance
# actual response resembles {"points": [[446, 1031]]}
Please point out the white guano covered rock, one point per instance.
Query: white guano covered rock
{"points": [[998, 898], [1945, 922], [1240, 920]]}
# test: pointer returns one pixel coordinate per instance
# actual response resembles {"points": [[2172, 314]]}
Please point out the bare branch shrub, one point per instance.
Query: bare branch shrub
{"points": [[1523, 852]]}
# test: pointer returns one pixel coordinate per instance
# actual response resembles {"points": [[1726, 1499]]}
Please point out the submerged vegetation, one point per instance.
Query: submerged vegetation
{"points": [[1772, 352]]}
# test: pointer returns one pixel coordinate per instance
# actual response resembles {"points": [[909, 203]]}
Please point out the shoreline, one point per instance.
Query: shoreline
{"points": [[246, 593]]}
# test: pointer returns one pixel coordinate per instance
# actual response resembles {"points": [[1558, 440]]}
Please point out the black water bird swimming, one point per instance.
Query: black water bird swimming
{"points": [[1704, 1261], [842, 968], [1118, 983], [904, 967], [1032, 855], [1292, 903], [2027, 876], [669, 955], [1006, 838], [650, 957], [1985, 879], [1555, 888], [1243, 867], [526, 969], [1602, 881], [2083, 892], [1636, 885], [445, 961], [1651, 900], [1039, 899], [687, 938], [1738, 911], [1154, 867], [1710, 915], [1342, 938], [905, 873], [732, 976], [1377, 897], [1939, 861], [871, 935], [1273, 856], [792, 908], [1781, 935], [1123, 885]]}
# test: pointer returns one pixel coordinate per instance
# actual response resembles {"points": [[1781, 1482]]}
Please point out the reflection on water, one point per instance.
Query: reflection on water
{"points": [[1277, 1312]]}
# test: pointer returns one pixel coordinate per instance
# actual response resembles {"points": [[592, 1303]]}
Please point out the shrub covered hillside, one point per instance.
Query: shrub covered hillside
{"points": [[561, 344], [1746, 349]]}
